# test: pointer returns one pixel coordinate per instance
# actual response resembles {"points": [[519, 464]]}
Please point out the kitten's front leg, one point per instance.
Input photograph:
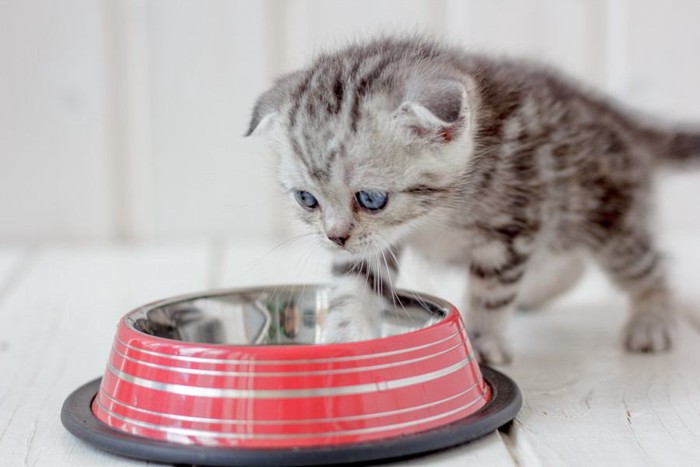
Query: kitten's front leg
{"points": [[359, 293], [495, 275]]}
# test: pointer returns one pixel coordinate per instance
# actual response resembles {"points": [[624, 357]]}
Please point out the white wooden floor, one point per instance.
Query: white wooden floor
{"points": [[586, 401]]}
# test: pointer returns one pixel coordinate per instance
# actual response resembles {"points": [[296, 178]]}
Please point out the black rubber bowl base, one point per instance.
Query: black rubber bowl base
{"points": [[505, 403]]}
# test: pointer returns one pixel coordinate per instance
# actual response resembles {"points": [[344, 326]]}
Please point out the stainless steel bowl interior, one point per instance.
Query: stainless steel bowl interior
{"points": [[270, 316]]}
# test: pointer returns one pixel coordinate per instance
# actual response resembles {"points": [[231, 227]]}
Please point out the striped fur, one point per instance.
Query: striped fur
{"points": [[487, 162]]}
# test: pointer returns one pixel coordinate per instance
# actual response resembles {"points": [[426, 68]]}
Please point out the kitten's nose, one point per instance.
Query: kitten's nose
{"points": [[340, 241]]}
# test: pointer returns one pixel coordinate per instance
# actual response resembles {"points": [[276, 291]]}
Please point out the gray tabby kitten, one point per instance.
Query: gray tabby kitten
{"points": [[500, 165]]}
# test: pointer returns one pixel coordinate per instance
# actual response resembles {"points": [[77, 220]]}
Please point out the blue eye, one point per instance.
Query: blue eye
{"points": [[306, 199], [372, 200]]}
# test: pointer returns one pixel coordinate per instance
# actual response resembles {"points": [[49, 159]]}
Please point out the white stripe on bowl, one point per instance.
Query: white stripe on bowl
{"points": [[230, 421], [185, 358], [288, 393], [326, 434], [252, 374]]}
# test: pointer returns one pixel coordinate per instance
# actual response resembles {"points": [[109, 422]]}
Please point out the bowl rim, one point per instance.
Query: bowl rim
{"points": [[447, 308]]}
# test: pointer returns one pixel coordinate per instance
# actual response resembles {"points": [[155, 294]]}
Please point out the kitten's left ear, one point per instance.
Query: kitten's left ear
{"points": [[269, 103], [433, 110]]}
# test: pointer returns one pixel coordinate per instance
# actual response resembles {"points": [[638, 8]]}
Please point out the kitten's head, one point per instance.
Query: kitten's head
{"points": [[372, 140]]}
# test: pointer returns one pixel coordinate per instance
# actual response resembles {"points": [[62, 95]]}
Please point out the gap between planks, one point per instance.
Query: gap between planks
{"points": [[14, 262], [520, 450]]}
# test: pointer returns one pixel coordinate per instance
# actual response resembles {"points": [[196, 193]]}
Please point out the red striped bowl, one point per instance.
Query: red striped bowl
{"points": [[245, 369]]}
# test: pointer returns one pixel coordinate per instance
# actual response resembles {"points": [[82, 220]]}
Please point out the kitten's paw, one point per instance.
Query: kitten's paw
{"points": [[491, 349], [650, 332], [351, 318]]}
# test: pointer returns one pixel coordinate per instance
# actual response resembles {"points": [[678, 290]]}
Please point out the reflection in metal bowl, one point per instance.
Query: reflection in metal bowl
{"points": [[287, 315]]}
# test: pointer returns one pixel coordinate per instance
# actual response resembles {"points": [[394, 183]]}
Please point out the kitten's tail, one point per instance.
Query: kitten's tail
{"points": [[678, 147]]}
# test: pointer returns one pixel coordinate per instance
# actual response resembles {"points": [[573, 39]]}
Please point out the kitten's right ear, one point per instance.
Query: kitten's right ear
{"points": [[433, 109], [269, 103]]}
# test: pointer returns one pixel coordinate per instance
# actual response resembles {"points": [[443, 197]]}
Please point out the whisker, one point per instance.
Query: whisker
{"points": [[394, 297], [256, 262], [412, 293], [394, 294], [306, 262]]}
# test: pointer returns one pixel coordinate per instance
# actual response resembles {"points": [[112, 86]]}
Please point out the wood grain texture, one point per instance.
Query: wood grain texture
{"points": [[661, 48], [587, 401], [207, 66], [314, 26], [58, 324], [123, 119], [13, 260], [491, 450], [569, 35], [54, 162]]}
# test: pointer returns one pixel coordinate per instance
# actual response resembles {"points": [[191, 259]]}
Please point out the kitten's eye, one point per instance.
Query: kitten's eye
{"points": [[306, 199], [372, 200]]}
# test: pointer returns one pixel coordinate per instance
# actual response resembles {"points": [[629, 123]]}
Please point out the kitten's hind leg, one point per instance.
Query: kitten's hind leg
{"points": [[636, 266], [549, 275]]}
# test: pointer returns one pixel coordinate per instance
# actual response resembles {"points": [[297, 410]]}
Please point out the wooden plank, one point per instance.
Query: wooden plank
{"points": [[130, 112], [662, 38], [502, 26], [317, 25], [568, 35], [58, 323], [12, 261], [676, 197], [207, 66], [683, 256], [489, 450], [587, 401], [55, 164]]}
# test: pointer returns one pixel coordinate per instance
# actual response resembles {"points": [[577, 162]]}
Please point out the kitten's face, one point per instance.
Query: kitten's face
{"points": [[370, 154], [363, 191]]}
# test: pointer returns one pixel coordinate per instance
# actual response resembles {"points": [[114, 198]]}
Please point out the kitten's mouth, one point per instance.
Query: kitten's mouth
{"points": [[361, 247], [360, 251], [366, 252]]}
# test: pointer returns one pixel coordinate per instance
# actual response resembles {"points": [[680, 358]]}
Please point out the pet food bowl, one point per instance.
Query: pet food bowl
{"points": [[241, 377]]}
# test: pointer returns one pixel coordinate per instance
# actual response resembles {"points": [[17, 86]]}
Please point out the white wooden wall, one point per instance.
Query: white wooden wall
{"points": [[123, 119]]}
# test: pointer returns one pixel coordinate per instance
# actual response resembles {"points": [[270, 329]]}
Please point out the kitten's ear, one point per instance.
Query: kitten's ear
{"points": [[269, 104], [432, 110]]}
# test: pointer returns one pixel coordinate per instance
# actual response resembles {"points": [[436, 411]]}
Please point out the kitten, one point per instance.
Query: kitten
{"points": [[501, 165]]}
